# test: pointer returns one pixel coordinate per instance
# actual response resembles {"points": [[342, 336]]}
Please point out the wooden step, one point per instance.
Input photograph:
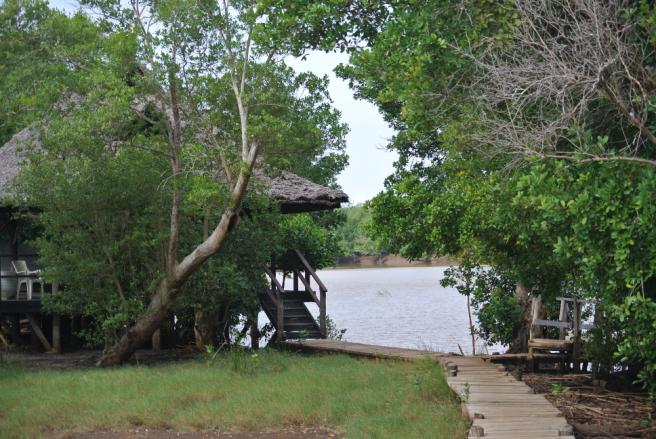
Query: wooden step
{"points": [[296, 335], [550, 344]]}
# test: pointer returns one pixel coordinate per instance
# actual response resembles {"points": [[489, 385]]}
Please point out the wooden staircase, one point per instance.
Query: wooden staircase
{"points": [[298, 321], [286, 309]]}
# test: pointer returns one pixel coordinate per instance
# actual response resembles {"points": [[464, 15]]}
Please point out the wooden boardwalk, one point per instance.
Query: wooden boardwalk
{"points": [[360, 350], [498, 405]]}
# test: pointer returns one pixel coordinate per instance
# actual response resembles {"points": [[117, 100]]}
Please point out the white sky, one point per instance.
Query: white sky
{"points": [[369, 162]]}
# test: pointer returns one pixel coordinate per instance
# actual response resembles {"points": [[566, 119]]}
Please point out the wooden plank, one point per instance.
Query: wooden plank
{"points": [[359, 349], [501, 408], [308, 267], [37, 331], [548, 343], [563, 317], [552, 323], [521, 357], [308, 288], [576, 328]]}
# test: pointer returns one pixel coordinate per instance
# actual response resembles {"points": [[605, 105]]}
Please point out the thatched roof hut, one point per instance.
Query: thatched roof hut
{"points": [[294, 193]]}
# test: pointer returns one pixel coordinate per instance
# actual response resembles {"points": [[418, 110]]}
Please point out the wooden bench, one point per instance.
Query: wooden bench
{"points": [[572, 348]]}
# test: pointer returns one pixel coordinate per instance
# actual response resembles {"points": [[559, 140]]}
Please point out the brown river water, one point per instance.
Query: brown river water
{"points": [[401, 307]]}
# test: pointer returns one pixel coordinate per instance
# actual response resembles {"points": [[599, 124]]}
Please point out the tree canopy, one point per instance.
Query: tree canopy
{"points": [[525, 131], [157, 119]]}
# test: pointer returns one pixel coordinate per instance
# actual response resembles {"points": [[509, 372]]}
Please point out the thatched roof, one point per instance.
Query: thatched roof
{"points": [[12, 155], [297, 194], [294, 193]]}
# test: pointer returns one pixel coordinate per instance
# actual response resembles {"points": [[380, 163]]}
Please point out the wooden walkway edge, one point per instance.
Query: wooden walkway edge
{"points": [[498, 405]]}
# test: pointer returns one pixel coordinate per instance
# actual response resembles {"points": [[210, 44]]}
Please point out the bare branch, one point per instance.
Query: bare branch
{"points": [[572, 66]]}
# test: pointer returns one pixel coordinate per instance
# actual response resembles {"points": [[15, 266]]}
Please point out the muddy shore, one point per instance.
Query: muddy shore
{"points": [[391, 261]]}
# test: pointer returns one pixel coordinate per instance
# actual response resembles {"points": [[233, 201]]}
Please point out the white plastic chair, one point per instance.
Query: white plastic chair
{"points": [[27, 279]]}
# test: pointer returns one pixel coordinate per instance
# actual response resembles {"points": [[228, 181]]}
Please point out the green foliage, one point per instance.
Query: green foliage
{"points": [[43, 53], [104, 176], [558, 228], [466, 391], [558, 389], [300, 232], [353, 234], [493, 298], [334, 333], [637, 315], [108, 216], [228, 285]]}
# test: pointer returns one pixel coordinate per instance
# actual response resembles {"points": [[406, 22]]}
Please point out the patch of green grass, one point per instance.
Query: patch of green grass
{"points": [[364, 398]]}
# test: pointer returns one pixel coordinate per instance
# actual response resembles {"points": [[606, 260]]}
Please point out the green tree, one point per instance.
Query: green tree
{"points": [[38, 48], [510, 118], [353, 234], [181, 91]]}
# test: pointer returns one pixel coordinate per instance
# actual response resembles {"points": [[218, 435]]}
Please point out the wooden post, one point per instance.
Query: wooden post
{"points": [[4, 328], [255, 334], [535, 309], [14, 329], [36, 330], [576, 326], [308, 279], [280, 315], [156, 340], [295, 274], [595, 365], [322, 314], [56, 334], [563, 317]]}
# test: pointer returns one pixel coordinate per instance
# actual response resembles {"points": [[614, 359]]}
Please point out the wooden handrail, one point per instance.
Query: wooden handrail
{"points": [[280, 305], [307, 266], [308, 288], [271, 296], [576, 299], [273, 278]]}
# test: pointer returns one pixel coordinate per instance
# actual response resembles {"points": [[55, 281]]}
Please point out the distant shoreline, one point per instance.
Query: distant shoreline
{"points": [[391, 261]]}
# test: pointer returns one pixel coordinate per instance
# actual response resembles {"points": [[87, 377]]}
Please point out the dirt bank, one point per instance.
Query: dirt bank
{"points": [[594, 411], [391, 261]]}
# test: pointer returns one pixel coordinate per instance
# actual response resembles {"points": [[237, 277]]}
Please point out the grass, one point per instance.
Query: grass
{"points": [[235, 392]]}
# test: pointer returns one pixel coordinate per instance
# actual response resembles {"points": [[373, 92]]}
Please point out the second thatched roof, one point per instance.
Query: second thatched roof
{"points": [[293, 193]]}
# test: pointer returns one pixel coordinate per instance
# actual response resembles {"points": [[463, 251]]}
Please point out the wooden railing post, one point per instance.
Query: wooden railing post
{"points": [[321, 300], [576, 328], [255, 333], [280, 311], [322, 314], [276, 295], [563, 317]]}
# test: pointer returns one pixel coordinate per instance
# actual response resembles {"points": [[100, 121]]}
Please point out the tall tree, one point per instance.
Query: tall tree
{"points": [[181, 89]]}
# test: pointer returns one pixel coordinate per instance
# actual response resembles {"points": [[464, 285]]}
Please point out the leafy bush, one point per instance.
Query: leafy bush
{"points": [[492, 295], [637, 346], [334, 333], [316, 243]]}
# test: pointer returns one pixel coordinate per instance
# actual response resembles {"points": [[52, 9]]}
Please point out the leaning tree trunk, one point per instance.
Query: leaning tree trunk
{"points": [[520, 341], [161, 303], [139, 333]]}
